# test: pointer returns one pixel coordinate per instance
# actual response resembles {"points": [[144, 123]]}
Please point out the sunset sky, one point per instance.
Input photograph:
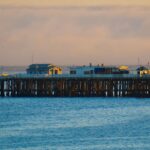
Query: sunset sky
{"points": [[74, 2], [74, 32]]}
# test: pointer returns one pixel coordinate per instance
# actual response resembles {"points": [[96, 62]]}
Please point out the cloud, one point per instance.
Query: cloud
{"points": [[110, 35]]}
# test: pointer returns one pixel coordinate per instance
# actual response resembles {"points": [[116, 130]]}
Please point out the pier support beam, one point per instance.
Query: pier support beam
{"points": [[75, 87]]}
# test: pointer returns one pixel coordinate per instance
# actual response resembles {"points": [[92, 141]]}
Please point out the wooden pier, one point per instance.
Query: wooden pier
{"points": [[89, 86]]}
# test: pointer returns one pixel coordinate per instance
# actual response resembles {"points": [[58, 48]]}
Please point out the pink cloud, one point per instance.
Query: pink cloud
{"points": [[74, 36]]}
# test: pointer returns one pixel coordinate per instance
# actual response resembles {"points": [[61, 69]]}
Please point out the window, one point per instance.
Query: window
{"points": [[73, 72], [88, 72]]}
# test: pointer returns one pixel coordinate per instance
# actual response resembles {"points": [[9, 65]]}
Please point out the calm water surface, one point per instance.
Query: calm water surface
{"points": [[74, 124]]}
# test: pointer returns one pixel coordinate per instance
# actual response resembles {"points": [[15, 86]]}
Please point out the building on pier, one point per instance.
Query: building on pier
{"points": [[143, 70], [87, 70], [124, 70], [44, 69]]}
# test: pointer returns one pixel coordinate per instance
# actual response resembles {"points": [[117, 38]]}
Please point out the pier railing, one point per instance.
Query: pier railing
{"points": [[76, 76]]}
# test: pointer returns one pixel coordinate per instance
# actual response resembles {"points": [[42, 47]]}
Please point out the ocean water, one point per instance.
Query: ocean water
{"points": [[74, 124]]}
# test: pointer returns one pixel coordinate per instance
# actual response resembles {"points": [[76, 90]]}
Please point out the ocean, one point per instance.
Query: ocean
{"points": [[74, 124]]}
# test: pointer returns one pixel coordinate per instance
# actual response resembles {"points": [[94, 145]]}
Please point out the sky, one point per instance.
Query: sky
{"points": [[74, 2], [74, 32]]}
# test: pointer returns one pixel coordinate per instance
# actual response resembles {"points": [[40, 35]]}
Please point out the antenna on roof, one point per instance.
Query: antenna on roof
{"points": [[90, 64], [138, 61], [1, 69]]}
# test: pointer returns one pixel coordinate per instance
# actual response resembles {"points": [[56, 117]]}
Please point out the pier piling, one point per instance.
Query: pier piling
{"points": [[75, 87]]}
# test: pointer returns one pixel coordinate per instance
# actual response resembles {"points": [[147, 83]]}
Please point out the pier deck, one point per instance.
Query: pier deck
{"points": [[75, 86]]}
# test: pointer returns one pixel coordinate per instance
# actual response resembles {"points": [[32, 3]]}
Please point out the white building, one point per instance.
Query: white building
{"points": [[82, 70], [88, 70]]}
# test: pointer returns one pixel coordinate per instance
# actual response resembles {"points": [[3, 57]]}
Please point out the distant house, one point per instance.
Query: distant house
{"points": [[81, 70], [43, 69], [143, 70], [55, 70], [89, 70], [124, 70]]}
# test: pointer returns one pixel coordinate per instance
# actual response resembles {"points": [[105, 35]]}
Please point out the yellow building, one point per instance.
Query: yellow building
{"points": [[55, 70], [4, 75], [143, 72], [123, 68]]}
